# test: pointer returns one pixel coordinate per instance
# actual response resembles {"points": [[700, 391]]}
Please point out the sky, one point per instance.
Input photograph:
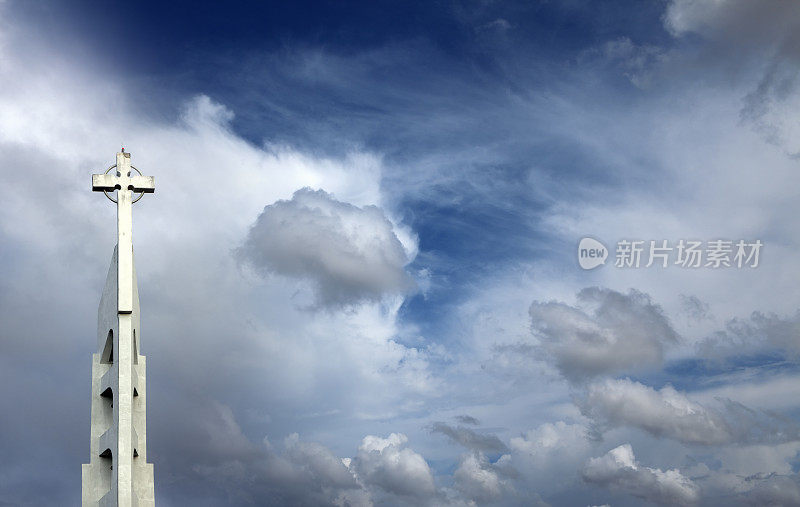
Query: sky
{"points": [[359, 273]]}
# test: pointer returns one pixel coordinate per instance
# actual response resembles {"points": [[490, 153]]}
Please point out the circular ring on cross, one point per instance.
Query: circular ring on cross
{"points": [[114, 200]]}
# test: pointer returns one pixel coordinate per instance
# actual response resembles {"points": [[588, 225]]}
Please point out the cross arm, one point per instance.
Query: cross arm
{"points": [[146, 184], [110, 182], [101, 182]]}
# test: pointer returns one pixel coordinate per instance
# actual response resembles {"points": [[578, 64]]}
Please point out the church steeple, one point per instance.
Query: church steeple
{"points": [[118, 473]]}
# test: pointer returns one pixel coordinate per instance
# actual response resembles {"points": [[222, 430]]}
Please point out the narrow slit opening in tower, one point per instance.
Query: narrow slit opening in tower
{"points": [[108, 349], [108, 393], [106, 454], [135, 392], [135, 349], [135, 453]]}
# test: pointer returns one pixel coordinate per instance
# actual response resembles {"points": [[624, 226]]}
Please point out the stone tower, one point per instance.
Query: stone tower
{"points": [[118, 473]]}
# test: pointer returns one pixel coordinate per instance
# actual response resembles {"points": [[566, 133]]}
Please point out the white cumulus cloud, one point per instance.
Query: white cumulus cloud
{"points": [[351, 253], [607, 332], [477, 481], [669, 413], [665, 412], [389, 464], [619, 469]]}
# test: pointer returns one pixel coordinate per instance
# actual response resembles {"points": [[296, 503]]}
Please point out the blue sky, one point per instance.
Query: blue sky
{"points": [[358, 272]]}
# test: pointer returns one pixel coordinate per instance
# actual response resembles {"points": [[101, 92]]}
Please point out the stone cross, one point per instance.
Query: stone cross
{"points": [[118, 473]]}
